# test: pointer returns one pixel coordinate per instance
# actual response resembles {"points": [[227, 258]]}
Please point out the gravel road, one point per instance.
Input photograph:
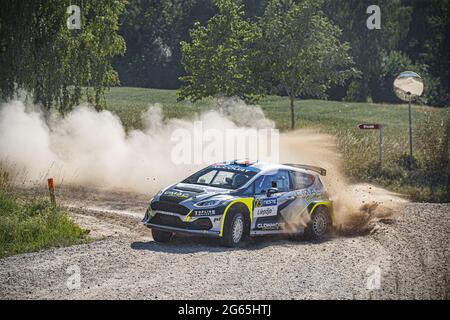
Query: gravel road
{"points": [[405, 259]]}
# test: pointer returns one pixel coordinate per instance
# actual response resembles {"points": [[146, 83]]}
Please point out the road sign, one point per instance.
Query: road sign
{"points": [[374, 126], [366, 126]]}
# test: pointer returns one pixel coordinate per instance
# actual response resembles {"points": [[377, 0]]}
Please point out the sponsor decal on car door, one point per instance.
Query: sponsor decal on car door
{"points": [[265, 207]]}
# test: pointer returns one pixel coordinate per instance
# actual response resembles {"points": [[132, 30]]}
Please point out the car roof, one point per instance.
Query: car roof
{"points": [[267, 167], [261, 167]]}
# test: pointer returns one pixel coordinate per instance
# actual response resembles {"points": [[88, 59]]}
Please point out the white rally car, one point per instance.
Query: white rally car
{"points": [[234, 199]]}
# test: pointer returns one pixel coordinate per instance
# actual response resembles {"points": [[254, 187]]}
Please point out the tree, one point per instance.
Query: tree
{"points": [[370, 48], [428, 43], [220, 59], [301, 50], [153, 30], [39, 54]]}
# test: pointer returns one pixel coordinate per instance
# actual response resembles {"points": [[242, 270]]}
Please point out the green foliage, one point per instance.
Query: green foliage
{"points": [[221, 58], [301, 49], [392, 64], [369, 47], [433, 138], [33, 225], [428, 44], [39, 54], [293, 46], [153, 30]]}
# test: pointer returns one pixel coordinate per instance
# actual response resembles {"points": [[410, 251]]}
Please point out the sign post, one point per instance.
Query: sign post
{"points": [[410, 133], [51, 189], [381, 145], [374, 126]]}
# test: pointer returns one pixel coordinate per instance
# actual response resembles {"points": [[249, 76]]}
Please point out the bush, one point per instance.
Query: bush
{"points": [[433, 170], [33, 225]]}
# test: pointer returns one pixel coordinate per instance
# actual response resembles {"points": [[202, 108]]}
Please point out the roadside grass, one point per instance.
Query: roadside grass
{"points": [[32, 225], [359, 148]]}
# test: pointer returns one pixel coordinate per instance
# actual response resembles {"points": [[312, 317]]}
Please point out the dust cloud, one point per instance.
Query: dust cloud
{"points": [[92, 148], [356, 206]]}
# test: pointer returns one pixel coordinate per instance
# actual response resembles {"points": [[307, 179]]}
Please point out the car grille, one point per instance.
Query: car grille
{"points": [[176, 222], [170, 207], [171, 199]]}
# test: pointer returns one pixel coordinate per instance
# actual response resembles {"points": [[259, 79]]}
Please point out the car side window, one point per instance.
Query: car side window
{"points": [[302, 180], [279, 180]]}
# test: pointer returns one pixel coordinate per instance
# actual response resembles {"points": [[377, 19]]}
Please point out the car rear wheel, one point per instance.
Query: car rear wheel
{"points": [[319, 225], [161, 236], [234, 229]]}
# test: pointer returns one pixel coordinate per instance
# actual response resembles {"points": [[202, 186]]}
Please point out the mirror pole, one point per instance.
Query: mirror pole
{"points": [[410, 136]]}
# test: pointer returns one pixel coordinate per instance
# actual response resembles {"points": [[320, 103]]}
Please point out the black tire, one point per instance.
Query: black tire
{"points": [[233, 229], [161, 236], [320, 224]]}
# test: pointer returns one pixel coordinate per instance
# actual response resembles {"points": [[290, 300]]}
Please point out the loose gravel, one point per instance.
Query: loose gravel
{"points": [[406, 259]]}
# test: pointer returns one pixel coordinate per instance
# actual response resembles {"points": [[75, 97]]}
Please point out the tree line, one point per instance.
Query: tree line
{"points": [[249, 48], [413, 36]]}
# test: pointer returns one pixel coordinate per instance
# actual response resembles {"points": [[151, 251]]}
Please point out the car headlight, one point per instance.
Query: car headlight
{"points": [[208, 203]]}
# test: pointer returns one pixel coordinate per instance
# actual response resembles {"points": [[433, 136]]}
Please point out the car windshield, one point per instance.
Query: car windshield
{"points": [[224, 177]]}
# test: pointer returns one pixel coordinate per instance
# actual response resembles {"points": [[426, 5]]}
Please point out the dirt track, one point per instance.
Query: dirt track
{"points": [[412, 255]]}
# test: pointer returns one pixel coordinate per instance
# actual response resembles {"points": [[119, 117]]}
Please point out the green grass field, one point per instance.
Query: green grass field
{"points": [[359, 147], [129, 103]]}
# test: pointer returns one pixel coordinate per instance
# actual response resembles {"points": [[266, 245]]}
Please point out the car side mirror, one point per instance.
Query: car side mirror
{"points": [[272, 191]]}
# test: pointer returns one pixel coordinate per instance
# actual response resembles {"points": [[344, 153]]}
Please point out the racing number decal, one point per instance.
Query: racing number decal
{"points": [[265, 207]]}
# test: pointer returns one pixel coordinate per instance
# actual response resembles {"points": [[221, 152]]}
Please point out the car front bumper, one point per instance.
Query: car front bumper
{"points": [[172, 222], [182, 230]]}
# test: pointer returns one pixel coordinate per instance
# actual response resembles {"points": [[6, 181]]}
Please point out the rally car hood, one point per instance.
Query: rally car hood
{"points": [[184, 191]]}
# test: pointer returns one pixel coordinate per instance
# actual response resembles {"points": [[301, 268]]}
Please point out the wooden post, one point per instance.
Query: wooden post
{"points": [[381, 145], [410, 135], [51, 189]]}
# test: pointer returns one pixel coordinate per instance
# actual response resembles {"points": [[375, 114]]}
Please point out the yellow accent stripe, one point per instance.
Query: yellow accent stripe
{"points": [[188, 218], [247, 201], [327, 204]]}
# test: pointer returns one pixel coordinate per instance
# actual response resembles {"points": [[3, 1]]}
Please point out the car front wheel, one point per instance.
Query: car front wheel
{"points": [[234, 229]]}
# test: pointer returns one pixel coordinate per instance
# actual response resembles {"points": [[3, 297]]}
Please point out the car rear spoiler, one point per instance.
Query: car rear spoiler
{"points": [[319, 170]]}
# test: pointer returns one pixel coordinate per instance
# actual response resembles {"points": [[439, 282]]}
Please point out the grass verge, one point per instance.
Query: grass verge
{"points": [[32, 225]]}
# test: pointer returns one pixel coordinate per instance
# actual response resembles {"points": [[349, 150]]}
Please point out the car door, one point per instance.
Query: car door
{"points": [[296, 214], [266, 207]]}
